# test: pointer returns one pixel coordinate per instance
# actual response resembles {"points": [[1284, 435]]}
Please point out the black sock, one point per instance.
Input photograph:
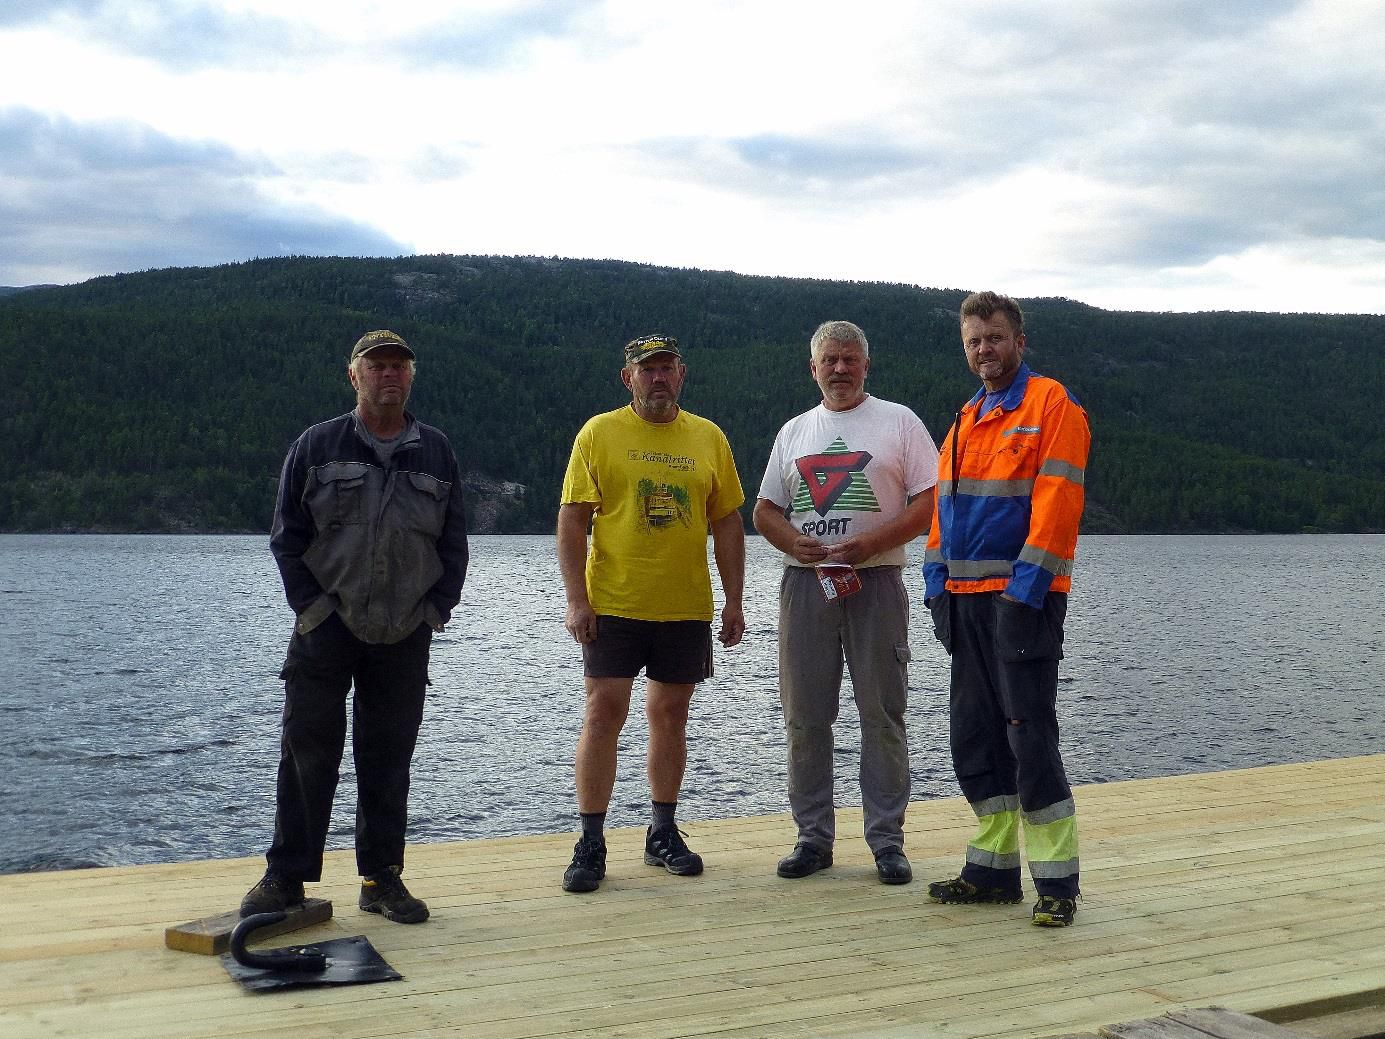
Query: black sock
{"points": [[592, 824], [663, 814]]}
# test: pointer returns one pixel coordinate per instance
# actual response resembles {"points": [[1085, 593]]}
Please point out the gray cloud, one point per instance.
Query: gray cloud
{"points": [[827, 160], [196, 36], [490, 40], [1187, 129], [83, 199], [179, 36], [1200, 128], [843, 170], [33, 12]]}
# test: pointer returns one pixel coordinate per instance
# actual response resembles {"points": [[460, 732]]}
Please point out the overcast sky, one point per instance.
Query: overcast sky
{"points": [[1132, 154]]}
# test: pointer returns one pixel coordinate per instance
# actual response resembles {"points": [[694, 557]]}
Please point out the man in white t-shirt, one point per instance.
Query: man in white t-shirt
{"points": [[847, 486]]}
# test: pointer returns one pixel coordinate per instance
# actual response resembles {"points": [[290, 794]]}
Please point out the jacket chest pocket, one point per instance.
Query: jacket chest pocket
{"points": [[1013, 459], [338, 498], [422, 502]]}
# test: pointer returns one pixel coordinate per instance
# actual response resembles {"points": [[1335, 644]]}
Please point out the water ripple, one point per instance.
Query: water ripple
{"points": [[147, 728]]}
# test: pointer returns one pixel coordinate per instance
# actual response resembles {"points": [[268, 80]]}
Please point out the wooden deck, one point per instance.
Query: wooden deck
{"points": [[1262, 891]]}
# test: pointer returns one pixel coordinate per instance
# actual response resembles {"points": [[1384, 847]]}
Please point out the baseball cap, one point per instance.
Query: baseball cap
{"points": [[648, 346], [380, 337]]}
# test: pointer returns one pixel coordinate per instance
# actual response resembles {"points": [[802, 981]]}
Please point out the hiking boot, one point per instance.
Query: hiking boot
{"points": [[963, 892], [273, 894], [385, 893], [803, 861], [588, 865], [893, 866], [1050, 911], [665, 847]]}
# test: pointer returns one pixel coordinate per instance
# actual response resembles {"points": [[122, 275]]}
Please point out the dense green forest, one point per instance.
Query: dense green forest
{"points": [[164, 400]]}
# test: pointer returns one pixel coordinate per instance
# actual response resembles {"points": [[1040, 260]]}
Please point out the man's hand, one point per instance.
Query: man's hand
{"points": [[580, 621], [732, 625], [852, 551], [808, 549]]}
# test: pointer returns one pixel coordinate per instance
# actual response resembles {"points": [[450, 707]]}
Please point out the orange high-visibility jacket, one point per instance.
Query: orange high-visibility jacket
{"points": [[1010, 494]]}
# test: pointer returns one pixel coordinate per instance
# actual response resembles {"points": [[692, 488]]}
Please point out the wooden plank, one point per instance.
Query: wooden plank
{"points": [[1200, 890], [1228, 1024], [1363, 999], [1362, 1023], [1151, 1028], [211, 935], [1201, 1023]]}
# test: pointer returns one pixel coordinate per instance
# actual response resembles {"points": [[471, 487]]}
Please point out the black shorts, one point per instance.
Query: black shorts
{"points": [[675, 652]]}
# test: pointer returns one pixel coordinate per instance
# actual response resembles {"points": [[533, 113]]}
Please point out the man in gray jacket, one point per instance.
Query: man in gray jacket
{"points": [[370, 538]]}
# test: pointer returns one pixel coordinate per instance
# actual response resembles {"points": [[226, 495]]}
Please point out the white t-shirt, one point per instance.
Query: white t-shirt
{"points": [[844, 473]]}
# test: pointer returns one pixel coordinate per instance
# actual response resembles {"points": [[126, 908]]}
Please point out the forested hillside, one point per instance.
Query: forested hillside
{"points": [[164, 401]]}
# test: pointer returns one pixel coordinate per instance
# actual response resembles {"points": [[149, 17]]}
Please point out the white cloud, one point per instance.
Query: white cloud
{"points": [[1170, 156]]}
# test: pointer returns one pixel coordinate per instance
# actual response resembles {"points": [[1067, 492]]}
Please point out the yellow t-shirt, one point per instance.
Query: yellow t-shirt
{"points": [[655, 485]]}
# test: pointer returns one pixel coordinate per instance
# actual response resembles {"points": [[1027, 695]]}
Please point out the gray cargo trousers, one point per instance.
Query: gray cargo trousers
{"points": [[869, 632]]}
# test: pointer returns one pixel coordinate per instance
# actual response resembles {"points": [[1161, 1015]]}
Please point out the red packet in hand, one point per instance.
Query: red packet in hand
{"points": [[838, 580]]}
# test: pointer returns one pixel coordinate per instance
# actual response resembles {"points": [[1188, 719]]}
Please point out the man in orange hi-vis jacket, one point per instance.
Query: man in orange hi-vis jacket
{"points": [[997, 573]]}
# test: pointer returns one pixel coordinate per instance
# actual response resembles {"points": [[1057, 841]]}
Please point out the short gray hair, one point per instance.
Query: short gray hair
{"points": [[838, 331]]}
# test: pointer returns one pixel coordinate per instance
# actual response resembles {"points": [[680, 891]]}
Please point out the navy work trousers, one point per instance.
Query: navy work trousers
{"points": [[1005, 669], [1004, 722], [387, 710]]}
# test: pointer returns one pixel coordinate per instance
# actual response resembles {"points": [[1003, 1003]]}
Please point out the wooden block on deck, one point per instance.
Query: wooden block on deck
{"points": [[1208, 1023], [211, 935]]}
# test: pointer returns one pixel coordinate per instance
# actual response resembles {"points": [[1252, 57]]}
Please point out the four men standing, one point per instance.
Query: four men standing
{"points": [[848, 483], [370, 537]]}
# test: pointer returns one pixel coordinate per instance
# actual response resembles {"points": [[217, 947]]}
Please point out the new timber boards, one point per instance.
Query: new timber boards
{"points": [[1260, 891]]}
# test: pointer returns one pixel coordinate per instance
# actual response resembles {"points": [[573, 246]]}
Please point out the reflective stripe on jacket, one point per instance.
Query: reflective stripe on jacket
{"points": [[1010, 494]]}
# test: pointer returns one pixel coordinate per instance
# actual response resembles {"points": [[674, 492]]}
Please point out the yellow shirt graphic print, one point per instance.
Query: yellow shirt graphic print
{"points": [[662, 504], [655, 487]]}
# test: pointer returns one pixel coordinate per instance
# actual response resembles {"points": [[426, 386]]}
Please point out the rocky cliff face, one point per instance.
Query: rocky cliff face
{"points": [[488, 500]]}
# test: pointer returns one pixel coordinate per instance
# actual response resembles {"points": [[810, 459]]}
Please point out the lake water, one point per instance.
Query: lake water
{"points": [[139, 709]]}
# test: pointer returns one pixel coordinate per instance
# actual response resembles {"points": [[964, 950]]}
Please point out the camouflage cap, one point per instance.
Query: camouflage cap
{"points": [[647, 346], [380, 337]]}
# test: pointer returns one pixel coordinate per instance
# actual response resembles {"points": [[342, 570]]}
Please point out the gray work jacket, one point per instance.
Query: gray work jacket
{"points": [[384, 547]]}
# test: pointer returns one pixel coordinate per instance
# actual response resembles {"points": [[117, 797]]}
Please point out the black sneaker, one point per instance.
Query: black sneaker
{"points": [[666, 847], [385, 893], [273, 894], [963, 892], [1050, 911], [588, 867]]}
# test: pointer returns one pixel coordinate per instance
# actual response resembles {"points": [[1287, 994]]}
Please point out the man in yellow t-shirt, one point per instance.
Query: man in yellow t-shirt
{"points": [[649, 479]]}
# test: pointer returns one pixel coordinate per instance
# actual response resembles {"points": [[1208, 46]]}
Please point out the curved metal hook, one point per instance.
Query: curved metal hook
{"points": [[293, 958]]}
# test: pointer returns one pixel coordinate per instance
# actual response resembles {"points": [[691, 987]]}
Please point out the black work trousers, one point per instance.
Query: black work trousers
{"points": [[1005, 671], [387, 710]]}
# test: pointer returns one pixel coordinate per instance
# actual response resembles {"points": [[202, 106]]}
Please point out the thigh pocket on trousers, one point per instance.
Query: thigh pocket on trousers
{"points": [[1022, 633]]}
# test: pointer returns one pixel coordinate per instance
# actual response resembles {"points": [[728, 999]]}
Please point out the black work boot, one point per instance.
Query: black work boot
{"points": [[385, 893]]}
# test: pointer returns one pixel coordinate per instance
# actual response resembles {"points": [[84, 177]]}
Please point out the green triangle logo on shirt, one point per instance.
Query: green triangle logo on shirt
{"points": [[834, 479]]}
